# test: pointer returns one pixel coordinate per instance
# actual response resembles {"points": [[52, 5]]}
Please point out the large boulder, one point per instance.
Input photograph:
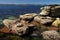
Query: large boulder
{"points": [[53, 11], [20, 28], [51, 35], [15, 25]]}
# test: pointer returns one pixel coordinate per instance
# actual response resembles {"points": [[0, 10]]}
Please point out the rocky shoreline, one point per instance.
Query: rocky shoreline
{"points": [[47, 20]]}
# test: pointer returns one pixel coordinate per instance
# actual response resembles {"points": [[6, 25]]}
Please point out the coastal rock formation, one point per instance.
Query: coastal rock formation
{"points": [[26, 23], [51, 35], [20, 27]]}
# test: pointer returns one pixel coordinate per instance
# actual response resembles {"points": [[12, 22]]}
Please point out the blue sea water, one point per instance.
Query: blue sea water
{"points": [[16, 10]]}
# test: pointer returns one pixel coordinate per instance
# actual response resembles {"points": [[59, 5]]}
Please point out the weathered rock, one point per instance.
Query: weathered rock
{"points": [[6, 30], [56, 23], [51, 35], [45, 10], [43, 20], [25, 27], [8, 22], [27, 16], [19, 28], [52, 11]]}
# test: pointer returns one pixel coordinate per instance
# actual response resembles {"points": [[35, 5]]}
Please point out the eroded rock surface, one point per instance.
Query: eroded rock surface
{"points": [[56, 23], [43, 20]]}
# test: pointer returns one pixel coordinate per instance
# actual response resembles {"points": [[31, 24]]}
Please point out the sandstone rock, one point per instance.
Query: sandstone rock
{"points": [[19, 28], [56, 23], [27, 16], [43, 20], [51, 35], [52, 11], [8, 22], [45, 10]]}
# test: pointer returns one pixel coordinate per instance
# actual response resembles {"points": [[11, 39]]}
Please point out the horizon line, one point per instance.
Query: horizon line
{"points": [[31, 4]]}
